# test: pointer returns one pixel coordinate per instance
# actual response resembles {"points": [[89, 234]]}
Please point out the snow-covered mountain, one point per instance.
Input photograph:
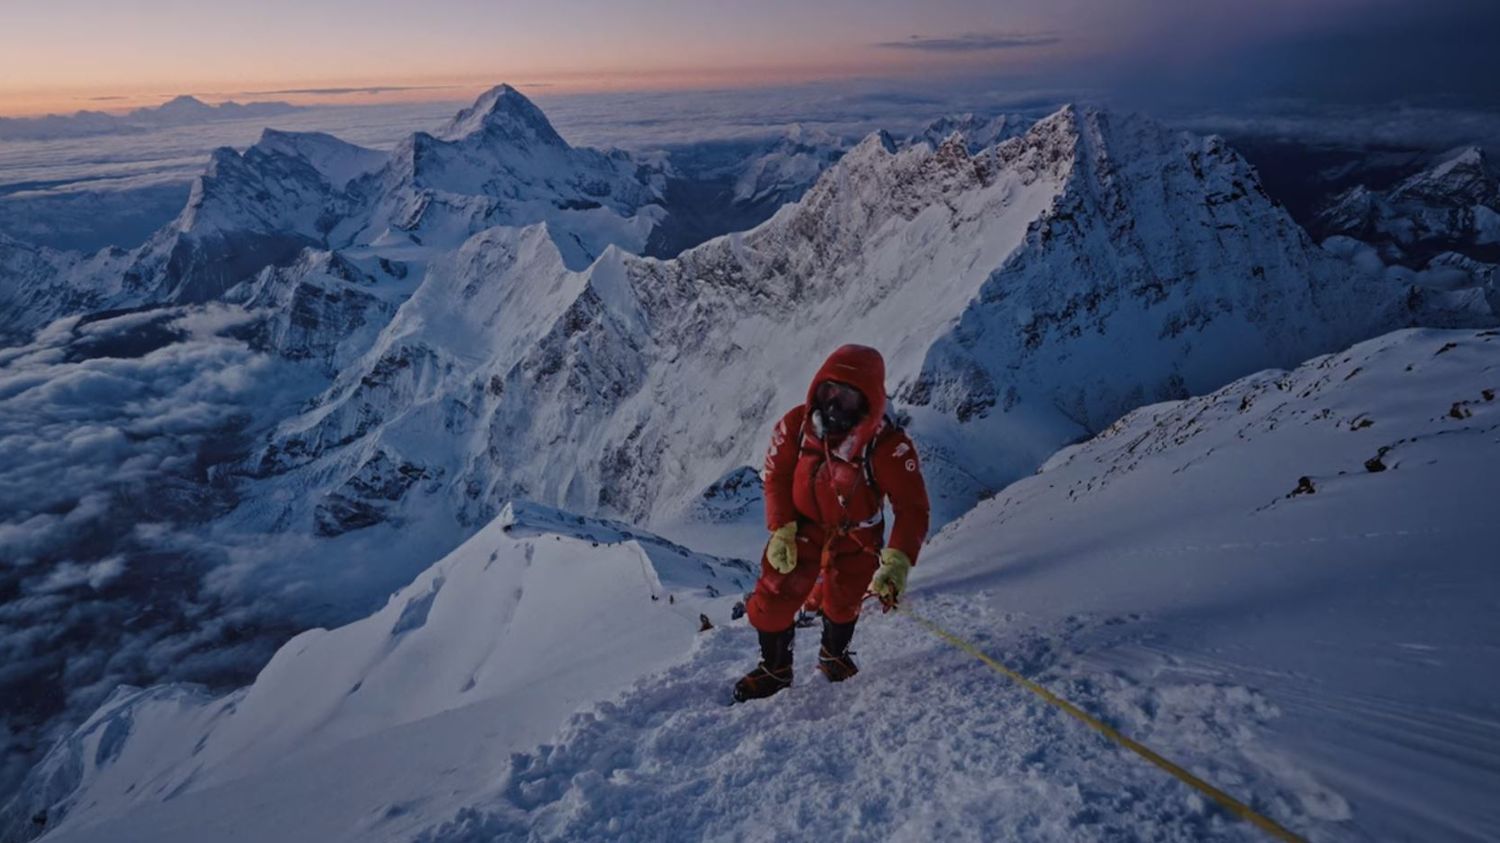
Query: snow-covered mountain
{"points": [[1436, 231], [1004, 287], [781, 171], [245, 212], [25, 270], [1453, 205], [39, 284], [126, 412], [718, 187], [978, 132], [785, 169], [179, 111], [1261, 583], [497, 162], [324, 307]]}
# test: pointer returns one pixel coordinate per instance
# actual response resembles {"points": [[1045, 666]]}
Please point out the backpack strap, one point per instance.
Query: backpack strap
{"points": [[889, 425]]}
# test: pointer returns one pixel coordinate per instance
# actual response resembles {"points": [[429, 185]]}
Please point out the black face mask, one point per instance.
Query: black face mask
{"points": [[840, 405]]}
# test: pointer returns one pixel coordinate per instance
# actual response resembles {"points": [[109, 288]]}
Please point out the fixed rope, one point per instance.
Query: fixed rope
{"points": [[1227, 802]]}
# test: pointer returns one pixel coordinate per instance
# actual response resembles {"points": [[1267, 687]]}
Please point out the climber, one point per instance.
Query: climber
{"points": [[832, 463]]}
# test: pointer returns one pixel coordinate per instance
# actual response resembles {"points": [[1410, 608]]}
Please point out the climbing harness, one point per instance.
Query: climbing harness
{"points": [[1229, 803]]}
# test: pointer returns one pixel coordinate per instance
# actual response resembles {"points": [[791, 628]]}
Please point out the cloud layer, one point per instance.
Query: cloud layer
{"points": [[109, 431]]}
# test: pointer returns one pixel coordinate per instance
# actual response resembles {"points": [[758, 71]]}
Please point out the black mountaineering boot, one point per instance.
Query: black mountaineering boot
{"points": [[775, 669], [834, 657]]}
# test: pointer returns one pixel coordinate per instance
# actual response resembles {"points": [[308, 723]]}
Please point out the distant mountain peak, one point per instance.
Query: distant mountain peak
{"points": [[878, 142], [1461, 175], [504, 112], [181, 106]]}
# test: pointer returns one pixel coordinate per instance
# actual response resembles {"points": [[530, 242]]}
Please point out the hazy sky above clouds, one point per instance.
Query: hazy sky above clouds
{"points": [[64, 55]]}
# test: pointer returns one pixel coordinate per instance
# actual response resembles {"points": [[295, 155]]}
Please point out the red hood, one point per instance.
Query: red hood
{"points": [[863, 368]]}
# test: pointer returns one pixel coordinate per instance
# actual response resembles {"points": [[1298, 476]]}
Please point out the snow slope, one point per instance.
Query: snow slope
{"points": [[486, 652], [1327, 656]]}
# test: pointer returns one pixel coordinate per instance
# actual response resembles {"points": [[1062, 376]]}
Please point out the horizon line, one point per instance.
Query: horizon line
{"points": [[321, 93]]}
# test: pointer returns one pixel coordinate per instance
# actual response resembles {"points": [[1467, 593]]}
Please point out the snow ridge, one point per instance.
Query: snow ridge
{"points": [[618, 600]]}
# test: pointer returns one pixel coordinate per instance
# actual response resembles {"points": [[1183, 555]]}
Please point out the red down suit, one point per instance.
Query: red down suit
{"points": [[836, 489]]}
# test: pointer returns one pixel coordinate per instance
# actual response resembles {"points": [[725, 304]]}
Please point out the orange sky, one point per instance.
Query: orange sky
{"points": [[57, 98], [66, 55]]}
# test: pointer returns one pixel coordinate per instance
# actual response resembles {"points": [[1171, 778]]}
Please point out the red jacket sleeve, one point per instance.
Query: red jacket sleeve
{"points": [[781, 464], [899, 474]]}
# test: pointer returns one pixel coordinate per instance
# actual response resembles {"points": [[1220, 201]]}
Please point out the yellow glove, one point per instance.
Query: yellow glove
{"points": [[889, 582], [781, 551]]}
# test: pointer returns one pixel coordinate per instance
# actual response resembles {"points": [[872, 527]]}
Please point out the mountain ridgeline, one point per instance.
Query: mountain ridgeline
{"points": [[1025, 295]]}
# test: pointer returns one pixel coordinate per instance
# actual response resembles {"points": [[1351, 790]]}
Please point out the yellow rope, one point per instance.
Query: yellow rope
{"points": [[1229, 803]]}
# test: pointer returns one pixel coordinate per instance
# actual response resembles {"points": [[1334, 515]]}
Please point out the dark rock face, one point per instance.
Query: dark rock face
{"points": [[201, 270], [732, 496], [360, 501]]}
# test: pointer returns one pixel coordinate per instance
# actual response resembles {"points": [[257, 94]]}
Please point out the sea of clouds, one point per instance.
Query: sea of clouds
{"points": [[111, 431]]}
